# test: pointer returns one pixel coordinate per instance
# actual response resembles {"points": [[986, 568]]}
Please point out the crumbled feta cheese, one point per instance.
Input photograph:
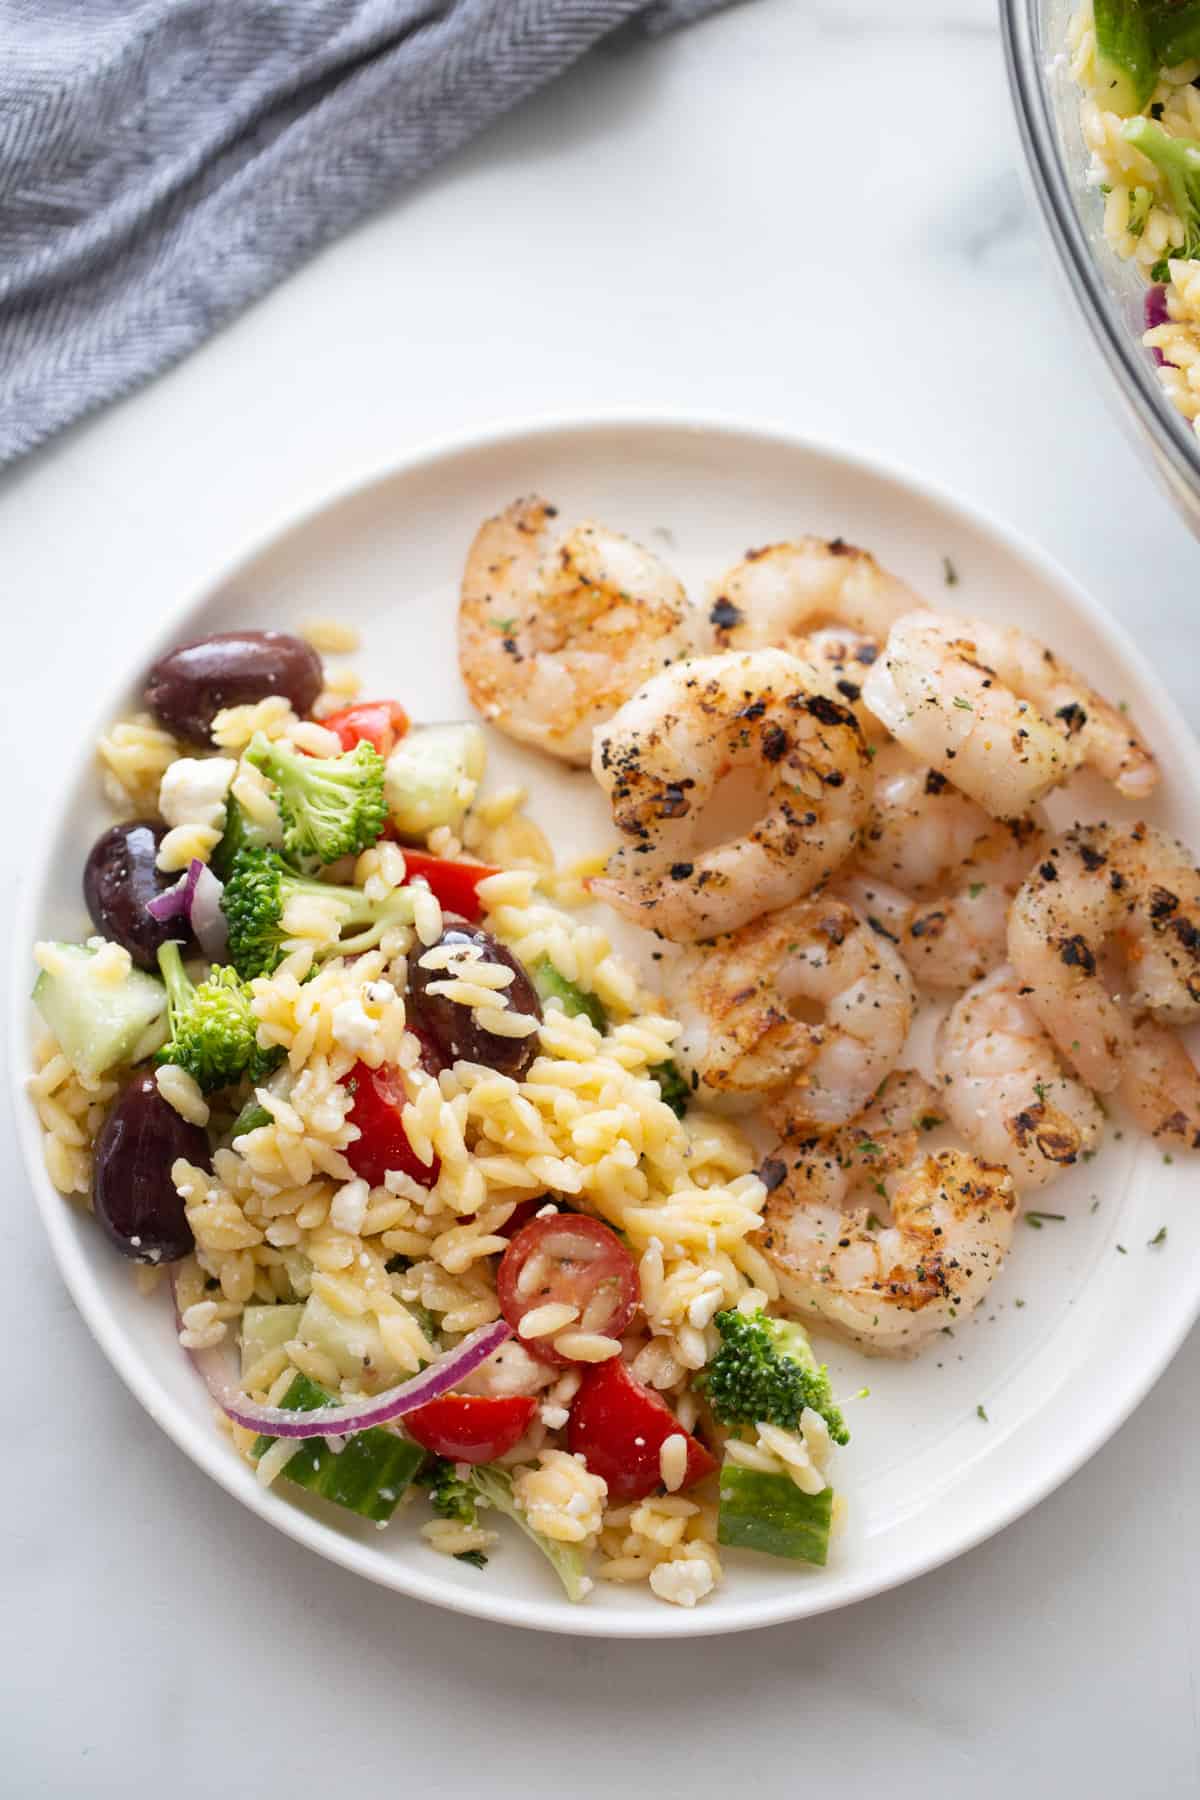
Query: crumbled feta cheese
{"points": [[348, 1208], [378, 993], [553, 1417], [682, 1582], [193, 791], [353, 1027]]}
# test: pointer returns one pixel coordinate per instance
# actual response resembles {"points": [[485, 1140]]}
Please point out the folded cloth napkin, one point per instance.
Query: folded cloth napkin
{"points": [[165, 162]]}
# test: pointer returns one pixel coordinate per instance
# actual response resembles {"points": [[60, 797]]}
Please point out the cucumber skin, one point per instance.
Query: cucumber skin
{"points": [[1176, 35], [770, 1514], [1126, 58], [553, 986], [370, 1466]]}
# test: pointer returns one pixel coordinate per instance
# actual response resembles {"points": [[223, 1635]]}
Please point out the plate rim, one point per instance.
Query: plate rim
{"points": [[207, 1449]]}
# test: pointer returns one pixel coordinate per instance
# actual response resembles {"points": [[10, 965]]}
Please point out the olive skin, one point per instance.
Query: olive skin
{"points": [[120, 875], [453, 1027], [133, 1196], [188, 687]]}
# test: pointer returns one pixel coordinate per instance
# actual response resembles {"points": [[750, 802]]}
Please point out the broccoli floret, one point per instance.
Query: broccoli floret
{"points": [[212, 1027], [1178, 160], [765, 1371], [259, 887], [331, 806], [449, 1497]]}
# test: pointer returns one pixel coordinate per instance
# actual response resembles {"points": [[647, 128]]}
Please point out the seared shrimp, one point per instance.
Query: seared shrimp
{"points": [[824, 601], [1160, 1084], [555, 633], [996, 711], [741, 1043], [692, 870], [887, 1288], [1102, 891], [957, 865], [1004, 1087]]}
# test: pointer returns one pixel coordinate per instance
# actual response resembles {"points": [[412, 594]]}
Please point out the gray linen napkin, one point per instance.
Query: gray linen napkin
{"points": [[165, 162]]}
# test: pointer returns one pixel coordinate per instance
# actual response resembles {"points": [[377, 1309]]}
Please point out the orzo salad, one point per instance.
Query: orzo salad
{"points": [[463, 1219], [1137, 64]]}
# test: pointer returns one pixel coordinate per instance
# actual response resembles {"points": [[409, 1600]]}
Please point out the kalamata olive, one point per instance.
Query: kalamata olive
{"points": [[188, 687], [133, 1195], [119, 876], [453, 1027]]}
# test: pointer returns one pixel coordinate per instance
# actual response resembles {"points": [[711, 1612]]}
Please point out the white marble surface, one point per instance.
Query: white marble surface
{"points": [[808, 210]]}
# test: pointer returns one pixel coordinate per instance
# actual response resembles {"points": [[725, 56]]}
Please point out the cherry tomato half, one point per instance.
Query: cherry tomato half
{"points": [[379, 722], [472, 1428], [454, 884], [619, 1427], [576, 1260], [379, 1100]]}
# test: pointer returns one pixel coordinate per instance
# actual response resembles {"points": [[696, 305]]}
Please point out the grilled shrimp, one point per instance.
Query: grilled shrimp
{"points": [[1100, 893], [938, 873], [699, 750], [1160, 1085], [555, 633], [741, 1042], [997, 712], [886, 1287], [826, 602], [1004, 1088]]}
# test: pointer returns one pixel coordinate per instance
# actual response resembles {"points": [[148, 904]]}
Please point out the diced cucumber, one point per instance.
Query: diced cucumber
{"points": [[769, 1513], [432, 776], [1126, 59], [99, 1023], [352, 1345], [553, 986], [266, 1328], [368, 1475], [1176, 34]]}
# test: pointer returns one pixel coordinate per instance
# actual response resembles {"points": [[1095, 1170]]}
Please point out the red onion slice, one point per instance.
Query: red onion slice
{"points": [[208, 921], [196, 896], [354, 1415], [1155, 313], [177, 900]]}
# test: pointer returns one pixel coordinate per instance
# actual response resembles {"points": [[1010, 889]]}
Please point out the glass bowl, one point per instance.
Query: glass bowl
{"points": [[1108, 293]]}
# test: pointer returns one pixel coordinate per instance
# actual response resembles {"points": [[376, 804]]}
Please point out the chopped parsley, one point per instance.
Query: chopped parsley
{"points": [[965, 705], [504, 625], [1122, 1250], [949, 572], [981, 1414], [1160, 1237], [976, 888], [1038, 1219]]}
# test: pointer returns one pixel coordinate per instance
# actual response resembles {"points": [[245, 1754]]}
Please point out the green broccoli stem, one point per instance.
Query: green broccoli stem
{"points": [[181, 990], [256, 897], [567, 1560], [1178, 161]]}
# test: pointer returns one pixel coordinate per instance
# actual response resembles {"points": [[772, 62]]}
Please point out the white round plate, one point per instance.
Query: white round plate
{"points": [[1075, 1331]]}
